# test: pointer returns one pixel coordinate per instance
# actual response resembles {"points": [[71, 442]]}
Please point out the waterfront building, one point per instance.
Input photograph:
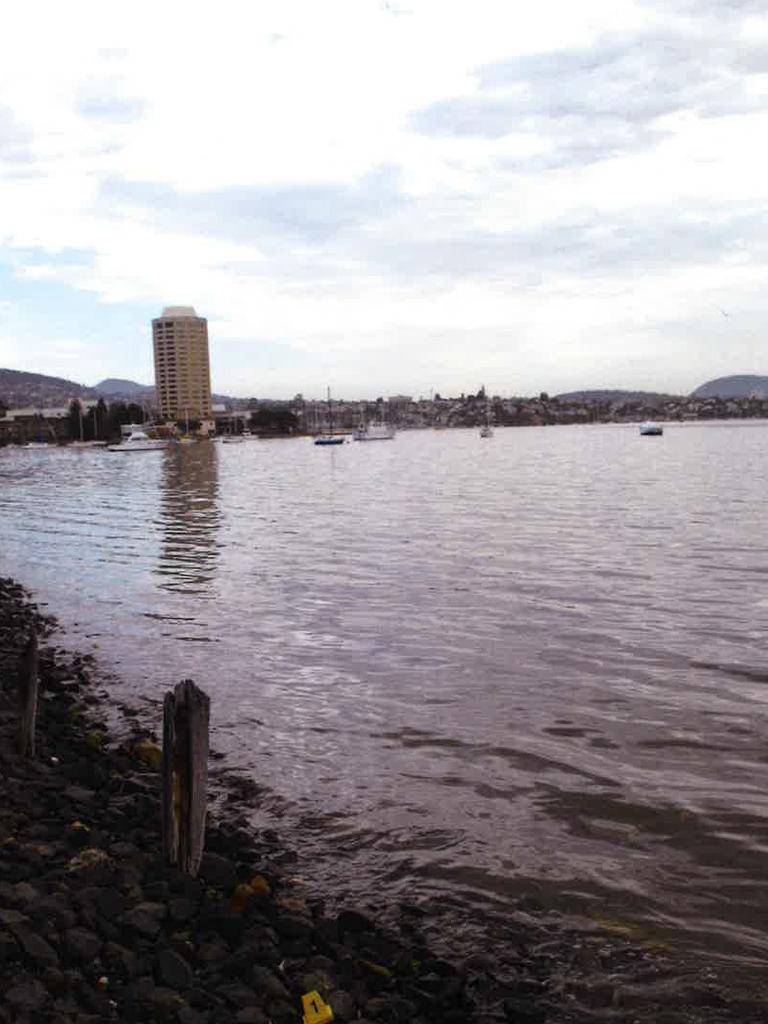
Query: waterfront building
{"points": [[182, 366]]}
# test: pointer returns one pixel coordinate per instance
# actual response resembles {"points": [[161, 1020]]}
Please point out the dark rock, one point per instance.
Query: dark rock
{"points": [[122, 850], [23, 894], [27, 996], [230, 926], [111, 903], [212, 952], [53, 909], [251, 1015], [377, 1007], [321, 963], [343, 1006], [145, 918], [157, 891], [187, 1015], [181, 909], [520, 1011], [166, 1001], [402, 1009], [120, 960], [189, 888], [139, 992], [9, 950], [237, 994], [297, 949], [265, 981], [67, 1005], [36, 948], [441, 967], [79, 794], [316, 981], [353, 921], [9, 918], [218, 871], [282, 1013], [238, 964], [202, 999], [173, 970], [82, 945], [291, 926]]}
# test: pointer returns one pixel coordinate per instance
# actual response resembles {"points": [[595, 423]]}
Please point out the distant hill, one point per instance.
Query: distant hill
{"points": [[18, 389], [741, 385], [615, 397], [116, 387]]}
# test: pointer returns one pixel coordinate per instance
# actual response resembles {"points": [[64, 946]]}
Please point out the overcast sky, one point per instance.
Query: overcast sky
{"points": [[388, 195]]}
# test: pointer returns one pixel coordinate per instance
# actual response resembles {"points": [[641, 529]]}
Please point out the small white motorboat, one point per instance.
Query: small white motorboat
{"points": [[232, 439], [138, 441], [374, 432], [649, 429]]}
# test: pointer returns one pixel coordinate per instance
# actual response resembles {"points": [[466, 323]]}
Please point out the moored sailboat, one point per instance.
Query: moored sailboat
{"points": [[330, 437]]}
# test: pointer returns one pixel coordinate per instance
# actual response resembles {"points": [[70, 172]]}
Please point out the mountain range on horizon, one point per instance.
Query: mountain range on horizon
{"points": [[19, 388]]}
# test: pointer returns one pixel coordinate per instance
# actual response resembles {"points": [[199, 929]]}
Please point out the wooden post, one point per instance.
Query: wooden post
{"points": [[28, 683], [186, 714]]}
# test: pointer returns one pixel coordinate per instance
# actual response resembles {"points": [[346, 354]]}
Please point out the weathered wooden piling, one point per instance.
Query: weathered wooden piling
{"points": [[27, 686], [186, 715]]}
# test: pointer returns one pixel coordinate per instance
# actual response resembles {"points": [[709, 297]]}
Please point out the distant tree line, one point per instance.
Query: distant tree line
{"points": [[273, 419], [102, 422]]}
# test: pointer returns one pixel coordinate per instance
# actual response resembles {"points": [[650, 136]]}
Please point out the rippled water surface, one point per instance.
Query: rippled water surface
{"points": [[524, 672]]}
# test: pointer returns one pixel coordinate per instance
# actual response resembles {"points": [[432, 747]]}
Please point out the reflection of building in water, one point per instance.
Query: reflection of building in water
{"points": [[190, 517]]}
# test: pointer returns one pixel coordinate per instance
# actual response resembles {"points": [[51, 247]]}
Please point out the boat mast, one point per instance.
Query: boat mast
{"points": [[330, 413]]}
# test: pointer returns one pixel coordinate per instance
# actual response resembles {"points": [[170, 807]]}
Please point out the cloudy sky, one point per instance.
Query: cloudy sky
{"points": [[388, 195]]}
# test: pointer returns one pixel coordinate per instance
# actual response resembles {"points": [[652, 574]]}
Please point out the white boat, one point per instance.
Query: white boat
{"points": [[232, 439], [87, 444], [649, 429], [374, 432], [41, 446], [138, 441]]}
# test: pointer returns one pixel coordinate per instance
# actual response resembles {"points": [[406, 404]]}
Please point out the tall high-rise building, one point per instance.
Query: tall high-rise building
{"points": [[182, 367]]}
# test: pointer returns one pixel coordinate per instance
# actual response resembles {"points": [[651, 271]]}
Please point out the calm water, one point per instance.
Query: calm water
{"points": [[520, 673]]}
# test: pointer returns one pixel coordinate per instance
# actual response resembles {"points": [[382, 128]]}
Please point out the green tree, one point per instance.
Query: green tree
{"points": [[135, 413], [274, 419], [116, 416], [99, 426], [74, 419]]}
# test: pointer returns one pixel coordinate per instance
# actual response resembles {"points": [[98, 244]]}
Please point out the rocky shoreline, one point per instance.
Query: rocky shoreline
{"points": [[94, 926]]}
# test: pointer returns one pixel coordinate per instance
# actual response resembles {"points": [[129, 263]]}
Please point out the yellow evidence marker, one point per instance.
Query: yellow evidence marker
{"points": [[315, 1010]]}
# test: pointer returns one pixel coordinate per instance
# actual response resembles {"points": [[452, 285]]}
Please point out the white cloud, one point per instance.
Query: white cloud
{"points": [[484, 189]]}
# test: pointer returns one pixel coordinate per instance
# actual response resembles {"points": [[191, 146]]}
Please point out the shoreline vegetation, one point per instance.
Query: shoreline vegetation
{"points": [[95, 926], [300, 417]]}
